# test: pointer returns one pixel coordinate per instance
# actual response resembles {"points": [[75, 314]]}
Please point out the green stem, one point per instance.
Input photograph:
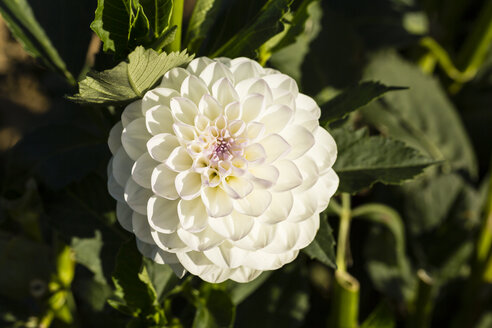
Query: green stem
{"points": [[345, 306], [176, 19], [422, 308], [343, 233]]}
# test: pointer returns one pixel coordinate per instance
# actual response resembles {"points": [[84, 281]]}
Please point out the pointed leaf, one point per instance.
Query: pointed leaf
{"points": [[201, 21], [128, 81], [323, 246], [363, 160], [352, 99]]}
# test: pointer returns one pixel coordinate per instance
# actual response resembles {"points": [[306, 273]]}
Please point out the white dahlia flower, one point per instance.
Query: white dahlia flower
{"points": [[222, 170]]}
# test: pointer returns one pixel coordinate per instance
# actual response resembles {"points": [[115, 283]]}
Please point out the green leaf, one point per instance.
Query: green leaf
{"points": [[215, 309], [423, 117], [201, 21], [266, 24], [282, 301], [352, 99], [162, 276], [21, 21], [87, 252], [323, 246], [159, 14], [380, 317], [128, 81], [240, 291], [363, 160], [132, 283]]}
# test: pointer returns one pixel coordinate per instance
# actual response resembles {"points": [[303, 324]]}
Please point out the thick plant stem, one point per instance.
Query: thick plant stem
{"points": [[343, 233], [176, 19], [345, 307], [422, 306]]}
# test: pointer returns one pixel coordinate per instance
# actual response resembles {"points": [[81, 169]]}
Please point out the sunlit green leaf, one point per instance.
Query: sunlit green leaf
{"points": [[128, 81], [381, 317]]}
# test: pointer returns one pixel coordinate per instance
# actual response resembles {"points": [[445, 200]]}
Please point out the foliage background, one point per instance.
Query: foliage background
{"points": [[422, 257]]}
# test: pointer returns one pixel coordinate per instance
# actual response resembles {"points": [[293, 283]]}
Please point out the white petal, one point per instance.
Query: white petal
{"points": [[115, 189], [192, 215], [251, 107], [136, 196], [254, 130], [200, 241], [163, 214], [310, 172], [255, 153], [124, 215], [174, 78], [264, 176], [197, 65], [134, 138], [142, 170], [162, 181], [183, 110], [305, 205], [232, 227], [226, 255], [158, 97], [289, 175], [308, 229], [233, 111], [325, 187], [279, 209], [132, 112], [324, 151], [261, 87], [275, 147], [114, 139], [307, 104], [299, 138], [169, 242], [254, 204], [224, 92], [261, 260], [159, 119], [193, 88], [244, 68], [217, 202], [161, 146], [259, 237], [188, 184], [141, 228], [179, 160], [244, 274], [276, 118], [282, 81], [237, 187], [197, 264], [209, 107], [122, 166], [184, 132], [214, 72]]}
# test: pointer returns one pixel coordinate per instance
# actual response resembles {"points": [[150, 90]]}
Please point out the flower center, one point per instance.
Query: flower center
{"points": [[222, 149]]}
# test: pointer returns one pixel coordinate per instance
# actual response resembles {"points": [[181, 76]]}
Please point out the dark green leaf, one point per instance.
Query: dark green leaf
{"points": [[128, 81], [352, 99], [215, 309], [201, 21], [87, 252], [159, 14], [266, 24], [282, 301], [162, 276], [323, 246], [363, 160], [132, 284], [240, 291], [423, 117], [21, 21], [381, 317]]}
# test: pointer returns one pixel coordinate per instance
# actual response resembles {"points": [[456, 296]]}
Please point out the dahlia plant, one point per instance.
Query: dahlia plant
{"points": [[245, 163]]}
